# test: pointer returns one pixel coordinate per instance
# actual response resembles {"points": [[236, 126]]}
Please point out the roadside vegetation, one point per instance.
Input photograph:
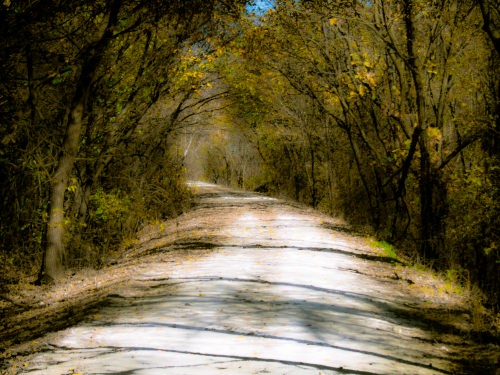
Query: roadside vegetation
{"points": [[384, 113]]}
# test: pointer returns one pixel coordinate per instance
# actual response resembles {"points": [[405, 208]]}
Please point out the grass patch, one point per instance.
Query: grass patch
{"points": [[385, 248]]}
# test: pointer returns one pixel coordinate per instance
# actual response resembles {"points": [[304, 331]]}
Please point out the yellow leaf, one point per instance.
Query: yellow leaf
{"points": [[333, 21], [434, 133]]}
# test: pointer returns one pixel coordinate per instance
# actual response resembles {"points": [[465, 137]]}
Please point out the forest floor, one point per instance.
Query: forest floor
{"points": [[244, 283]]}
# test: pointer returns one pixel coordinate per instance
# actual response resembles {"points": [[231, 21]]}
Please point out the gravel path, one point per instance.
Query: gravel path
{"points": [[280, 293]]}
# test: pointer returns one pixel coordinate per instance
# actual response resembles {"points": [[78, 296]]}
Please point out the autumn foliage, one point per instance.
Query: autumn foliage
{"points": [[384, 112]]}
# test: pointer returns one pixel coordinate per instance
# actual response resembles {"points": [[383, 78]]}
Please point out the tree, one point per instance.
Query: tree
{"points": [[187, 19], [94, 74]]}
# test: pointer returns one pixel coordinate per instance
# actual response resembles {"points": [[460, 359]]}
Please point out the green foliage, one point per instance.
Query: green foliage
{"points": [[459, 277], [111, 217], [115, 216], [108, 208], [386, 248]]}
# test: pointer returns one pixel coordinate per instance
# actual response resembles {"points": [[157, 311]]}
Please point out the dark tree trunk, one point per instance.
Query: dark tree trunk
{"points": [[55, 251], [428, 222]]}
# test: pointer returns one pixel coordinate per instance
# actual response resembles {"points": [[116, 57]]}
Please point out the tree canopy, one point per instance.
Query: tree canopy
{"points": [[384, 112]]}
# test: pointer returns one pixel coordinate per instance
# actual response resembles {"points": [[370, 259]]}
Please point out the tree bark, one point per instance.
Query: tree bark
{"points": [[428, 221], [55, 251]]}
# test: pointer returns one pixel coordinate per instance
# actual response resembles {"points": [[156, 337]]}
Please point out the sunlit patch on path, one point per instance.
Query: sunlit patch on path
{"points": [[278, 296]]}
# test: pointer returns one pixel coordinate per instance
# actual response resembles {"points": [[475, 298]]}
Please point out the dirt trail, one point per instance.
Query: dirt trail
{"points": [[281, 292]]}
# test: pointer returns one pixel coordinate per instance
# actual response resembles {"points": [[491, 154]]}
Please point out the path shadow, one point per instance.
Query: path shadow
{"points": [[261, 304]]}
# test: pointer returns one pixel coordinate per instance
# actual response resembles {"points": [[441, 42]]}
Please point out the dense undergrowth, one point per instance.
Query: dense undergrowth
{"points": [[384, 113]]}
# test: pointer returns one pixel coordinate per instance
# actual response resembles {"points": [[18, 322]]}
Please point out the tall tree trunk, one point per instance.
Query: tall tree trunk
{"points": [[428, 222], [314, 192], [427, 219], [362, 177], [55, 252]]}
